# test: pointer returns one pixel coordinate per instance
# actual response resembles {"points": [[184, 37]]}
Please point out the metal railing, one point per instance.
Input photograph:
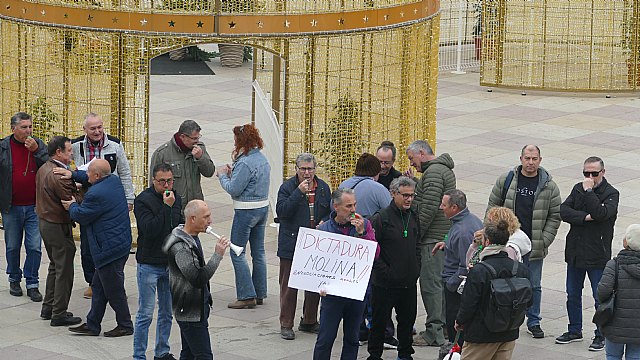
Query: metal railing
{"points": [[458, 26]]}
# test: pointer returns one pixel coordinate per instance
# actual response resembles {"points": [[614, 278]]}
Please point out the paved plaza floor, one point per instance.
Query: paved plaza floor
{"points": [[483, 131]]}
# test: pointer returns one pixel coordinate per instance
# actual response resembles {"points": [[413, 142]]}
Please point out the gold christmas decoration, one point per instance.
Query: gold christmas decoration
{"points": [[318, 59], [578, 45]]}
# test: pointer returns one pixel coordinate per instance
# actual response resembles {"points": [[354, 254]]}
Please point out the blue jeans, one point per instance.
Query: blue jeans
{"points": [[332, 311], [248, 226], [18, 221], [196, 343], [575, 283], [535, 274], [150, 278], [615, 350]]}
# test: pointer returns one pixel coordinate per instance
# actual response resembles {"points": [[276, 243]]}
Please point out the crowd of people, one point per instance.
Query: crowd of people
{"points": [[424, 231]]}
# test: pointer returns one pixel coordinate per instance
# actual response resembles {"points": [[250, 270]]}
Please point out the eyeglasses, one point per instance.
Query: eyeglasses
{"points": [[591, 173], [164, 182], [386, 162], [194, 138], [408, 196], [305, 169]]}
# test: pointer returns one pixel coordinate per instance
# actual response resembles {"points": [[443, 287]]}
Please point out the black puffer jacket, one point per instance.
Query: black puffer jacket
{"points": [[624, 327], [589, 242]]}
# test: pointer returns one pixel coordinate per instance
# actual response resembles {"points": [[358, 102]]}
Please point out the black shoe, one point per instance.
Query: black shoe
{"points": [[83, 330], [167, 356], [568, 338], [259, 301], [309, 328], [15, 289], [287, 333], [597, 344], [34, 294], [66, 321], [118, 331], [46, 314], [536, 332], [390, 343]]}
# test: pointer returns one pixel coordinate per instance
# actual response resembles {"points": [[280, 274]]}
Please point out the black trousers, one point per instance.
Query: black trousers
{"points": [[383, 300], [452, 305]]}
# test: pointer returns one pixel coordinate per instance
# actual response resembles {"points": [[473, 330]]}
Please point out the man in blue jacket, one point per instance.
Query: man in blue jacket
{"points": [[105, 214], [460, 236], [303, 201]]}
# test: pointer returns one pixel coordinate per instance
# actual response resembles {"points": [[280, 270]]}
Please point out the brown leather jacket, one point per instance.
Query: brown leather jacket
{"points": [[50, 189]]}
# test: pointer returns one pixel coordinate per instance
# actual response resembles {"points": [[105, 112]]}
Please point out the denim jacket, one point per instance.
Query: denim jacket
{"points": [[249, 180]]}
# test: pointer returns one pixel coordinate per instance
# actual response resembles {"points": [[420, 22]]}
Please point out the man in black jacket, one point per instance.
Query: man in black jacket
{"points": [[303, 201], [158, 211], [591, 209], [386, 153], [396, 271], [481, 343], [189, 275]]}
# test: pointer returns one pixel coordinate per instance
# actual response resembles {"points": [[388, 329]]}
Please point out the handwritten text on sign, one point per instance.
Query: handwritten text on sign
{"points": [[338, 263]]}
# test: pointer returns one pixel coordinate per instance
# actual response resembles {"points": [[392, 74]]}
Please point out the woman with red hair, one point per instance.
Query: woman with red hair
{"points": [[247, 181]]}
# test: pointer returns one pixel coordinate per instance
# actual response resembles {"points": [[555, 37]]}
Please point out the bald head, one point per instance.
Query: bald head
{"points": [[98, 169], [197, 217]]}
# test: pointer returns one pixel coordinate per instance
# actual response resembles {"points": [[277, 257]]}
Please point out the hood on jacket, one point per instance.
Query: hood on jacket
{"points": [[178, 234], [444, 159], [630, 260], [521, 240]]}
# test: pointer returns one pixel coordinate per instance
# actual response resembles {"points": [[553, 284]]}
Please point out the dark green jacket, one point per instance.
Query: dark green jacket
{"points": [[546, 209], [437, 177]]}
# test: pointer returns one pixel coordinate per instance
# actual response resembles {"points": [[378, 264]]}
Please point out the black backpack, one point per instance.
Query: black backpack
{"points": [[509, 299]]}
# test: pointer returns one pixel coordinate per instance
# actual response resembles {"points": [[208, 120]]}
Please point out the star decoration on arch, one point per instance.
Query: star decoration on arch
{"points": [[90, 18], [260, 24], [172, 23], [43, 13], [143, 22], [341, 21], [199, 24], [314, 23], [365, 19], [232, 25], [287, 23]]}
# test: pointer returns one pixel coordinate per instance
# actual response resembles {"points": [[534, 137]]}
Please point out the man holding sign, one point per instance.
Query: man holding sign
{"points": [[345, 221]]}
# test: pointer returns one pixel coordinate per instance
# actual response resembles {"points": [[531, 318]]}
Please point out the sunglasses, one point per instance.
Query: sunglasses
{"points": [[591, 173]]}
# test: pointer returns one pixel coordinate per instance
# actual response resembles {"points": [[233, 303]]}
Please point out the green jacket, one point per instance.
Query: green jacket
{"points": [[437, 177], [186, 169], [546, 209]]}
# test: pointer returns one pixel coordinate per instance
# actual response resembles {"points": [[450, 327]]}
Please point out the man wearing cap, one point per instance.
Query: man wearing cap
{"points": [[591, 209]]}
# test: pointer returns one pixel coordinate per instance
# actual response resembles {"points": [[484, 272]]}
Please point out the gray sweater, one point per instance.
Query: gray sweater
{"points": [[188, 275], [459, 238], [623, 328]]}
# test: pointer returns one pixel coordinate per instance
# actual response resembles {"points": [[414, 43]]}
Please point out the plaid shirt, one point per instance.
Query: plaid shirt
{"points": [[94, 150]]}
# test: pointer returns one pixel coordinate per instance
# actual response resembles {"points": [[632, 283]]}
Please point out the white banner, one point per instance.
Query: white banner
{"points": [[339, 264]]}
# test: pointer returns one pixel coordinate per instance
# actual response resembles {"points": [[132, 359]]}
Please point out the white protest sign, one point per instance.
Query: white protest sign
{"points": [[338, 263]]}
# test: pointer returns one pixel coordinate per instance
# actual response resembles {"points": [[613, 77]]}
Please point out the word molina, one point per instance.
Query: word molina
{"points": [[342, 257]]}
